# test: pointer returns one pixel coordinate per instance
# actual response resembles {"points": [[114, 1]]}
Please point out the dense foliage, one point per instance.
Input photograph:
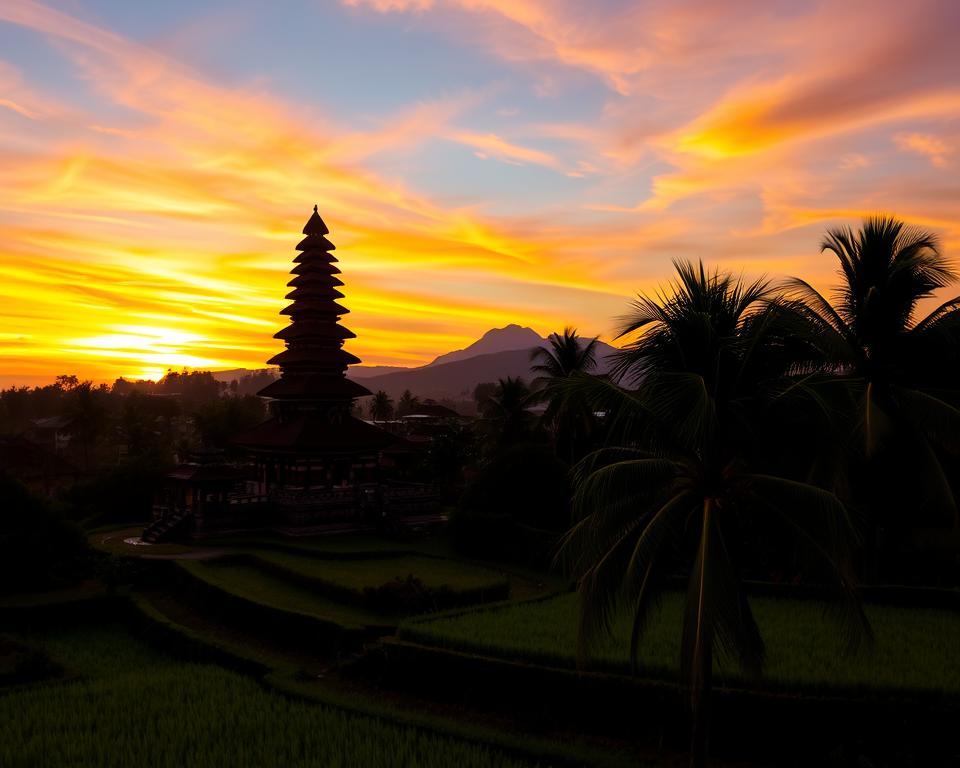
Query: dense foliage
{"points": [[39, 548]]}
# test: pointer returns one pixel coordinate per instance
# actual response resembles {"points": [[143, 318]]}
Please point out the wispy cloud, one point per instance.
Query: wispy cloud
{"points": [[931, 147]]}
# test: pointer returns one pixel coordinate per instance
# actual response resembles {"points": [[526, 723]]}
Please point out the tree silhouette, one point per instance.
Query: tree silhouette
{"points": [[505, 413], [407, 403], [895, 363], [381, 406], [86, 407], [681, 471], [569, 417]]}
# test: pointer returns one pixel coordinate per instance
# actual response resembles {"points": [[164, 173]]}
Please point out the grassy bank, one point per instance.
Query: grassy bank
{"points": [[915, 650]]}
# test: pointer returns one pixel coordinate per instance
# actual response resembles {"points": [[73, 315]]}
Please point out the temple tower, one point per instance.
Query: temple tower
{"points": [[314, 458], [314, 364]]}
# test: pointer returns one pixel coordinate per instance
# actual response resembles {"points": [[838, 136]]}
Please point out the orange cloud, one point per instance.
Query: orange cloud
{"points": [[491, 145], [931, 147]]}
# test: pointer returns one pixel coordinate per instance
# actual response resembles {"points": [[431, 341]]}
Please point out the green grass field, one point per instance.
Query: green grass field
{"points": [[358, 575], [334, 545], [257, 586], [134, 706], [915, 650]]}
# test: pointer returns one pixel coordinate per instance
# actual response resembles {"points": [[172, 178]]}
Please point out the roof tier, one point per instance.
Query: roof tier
{"points": [[312, 329], [310, 267], [315, 278], [331, 356], [314, 387], [314, 291], [315, 242], [314, 307]]}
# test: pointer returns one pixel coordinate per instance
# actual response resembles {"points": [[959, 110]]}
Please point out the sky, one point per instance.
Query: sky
{"points": [[478, 162]]}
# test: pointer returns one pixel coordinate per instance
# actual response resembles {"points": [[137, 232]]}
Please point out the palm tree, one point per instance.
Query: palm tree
{"points": [[683, 471], [407, 404], [381, 406], [505, 412], [896, 363], [568, 417]]}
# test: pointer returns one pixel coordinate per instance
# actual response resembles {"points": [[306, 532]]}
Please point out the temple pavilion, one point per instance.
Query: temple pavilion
{"points": [[312, 463]]}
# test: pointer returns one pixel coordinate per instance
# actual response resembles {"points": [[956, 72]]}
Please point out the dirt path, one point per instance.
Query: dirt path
{"points": [[115, 542]]}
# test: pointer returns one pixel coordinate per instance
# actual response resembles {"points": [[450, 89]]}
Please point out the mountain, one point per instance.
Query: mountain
{"points": [[505, 339], [366, 371], [456, 379], [512, 337]]}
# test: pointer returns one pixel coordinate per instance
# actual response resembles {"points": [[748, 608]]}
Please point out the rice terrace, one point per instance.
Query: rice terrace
{"points": [[427, 383]]}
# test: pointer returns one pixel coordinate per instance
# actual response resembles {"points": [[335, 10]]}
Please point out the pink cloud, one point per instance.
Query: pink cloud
{"points": [[931, 147]]}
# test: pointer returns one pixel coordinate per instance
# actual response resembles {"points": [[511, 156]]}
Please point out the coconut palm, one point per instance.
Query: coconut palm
{"points": [[682, 478], [896, 362], [407, 404], [567, 416], [381, 406], [505, 413]]}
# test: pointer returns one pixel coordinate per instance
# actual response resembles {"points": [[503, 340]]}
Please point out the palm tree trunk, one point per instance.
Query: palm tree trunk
{"points": [[701, 712], [703, 677]]}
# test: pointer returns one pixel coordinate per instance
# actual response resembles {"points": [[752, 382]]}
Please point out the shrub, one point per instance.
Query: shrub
{"points": [[515, 507], [526, 483], [39, 549], [118, 494]]}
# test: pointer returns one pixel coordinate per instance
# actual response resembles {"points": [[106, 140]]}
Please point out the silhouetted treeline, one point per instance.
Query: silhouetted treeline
{"points": [[96, 427]]}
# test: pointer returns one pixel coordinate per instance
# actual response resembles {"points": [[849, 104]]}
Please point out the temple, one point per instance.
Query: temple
{"points": [[312, 464]]}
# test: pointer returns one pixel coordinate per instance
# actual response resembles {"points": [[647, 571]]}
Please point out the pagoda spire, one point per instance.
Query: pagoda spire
{"points": [[314, 364]]}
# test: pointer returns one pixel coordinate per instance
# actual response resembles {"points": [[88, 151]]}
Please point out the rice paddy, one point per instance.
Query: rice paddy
{"points": [[135, 706], [915, 650]]}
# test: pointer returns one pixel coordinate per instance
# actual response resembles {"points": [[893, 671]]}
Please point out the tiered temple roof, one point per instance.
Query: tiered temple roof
{"points": [[311, 399]]}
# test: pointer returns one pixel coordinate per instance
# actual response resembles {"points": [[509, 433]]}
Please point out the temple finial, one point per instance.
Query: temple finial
{"points": [[315, 225]]}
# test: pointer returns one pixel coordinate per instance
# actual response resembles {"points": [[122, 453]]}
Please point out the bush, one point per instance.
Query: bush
{"points": [[516, 507], [39, 549], [117, 495], [526, 483]]}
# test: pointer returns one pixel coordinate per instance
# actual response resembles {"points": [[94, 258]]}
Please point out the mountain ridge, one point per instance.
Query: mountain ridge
{"points": [[497, 354]]}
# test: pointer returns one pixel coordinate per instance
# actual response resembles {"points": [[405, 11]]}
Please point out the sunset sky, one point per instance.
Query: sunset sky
{"points": [[478, 162]]}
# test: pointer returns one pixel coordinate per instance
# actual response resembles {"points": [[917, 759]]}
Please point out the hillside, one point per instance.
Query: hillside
{"points": [[457, 380]]}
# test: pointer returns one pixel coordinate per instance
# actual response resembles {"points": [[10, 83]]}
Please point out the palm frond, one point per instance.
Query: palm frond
{"points": [[626, 417], [820, 520], [665, 523], [936, 418]]}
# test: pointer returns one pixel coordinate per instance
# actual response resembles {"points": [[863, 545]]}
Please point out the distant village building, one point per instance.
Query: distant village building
{"points": [[428, 420], [312, 463], [40, 467], [54, 432]]}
